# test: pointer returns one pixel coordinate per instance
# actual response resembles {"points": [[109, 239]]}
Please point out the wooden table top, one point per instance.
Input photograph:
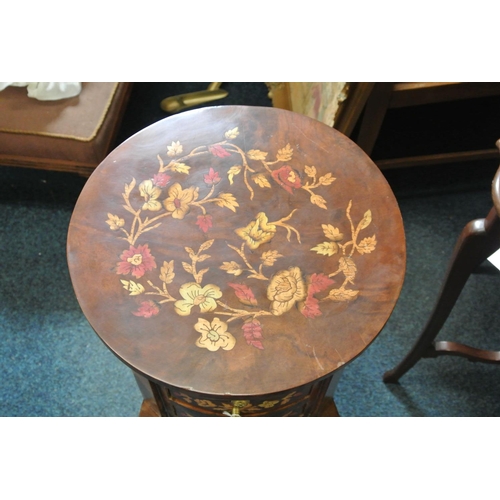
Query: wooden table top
{"points": [[237, 250]]}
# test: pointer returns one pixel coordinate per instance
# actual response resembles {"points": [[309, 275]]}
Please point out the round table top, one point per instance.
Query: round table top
{"points": [[237, 250]]}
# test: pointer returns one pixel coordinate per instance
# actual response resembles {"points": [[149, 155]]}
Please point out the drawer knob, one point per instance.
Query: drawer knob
{"points": [[240, 403]]}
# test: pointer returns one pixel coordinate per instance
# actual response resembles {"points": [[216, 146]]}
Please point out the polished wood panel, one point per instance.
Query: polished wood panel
{"points": [[237, 253]]}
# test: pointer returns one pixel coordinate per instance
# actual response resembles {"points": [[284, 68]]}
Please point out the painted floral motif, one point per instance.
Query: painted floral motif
{"points": [[147, 310], [136, 261], [260, 292], [257, 232], [286, 288], [150, 193], [194, 295], [204, 222], [161, 180], [115, 222], [179, 200], [214, 335], [287, 178]]}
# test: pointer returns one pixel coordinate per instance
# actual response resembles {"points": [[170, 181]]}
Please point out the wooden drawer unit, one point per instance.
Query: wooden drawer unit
{"points": [[300, 402]]}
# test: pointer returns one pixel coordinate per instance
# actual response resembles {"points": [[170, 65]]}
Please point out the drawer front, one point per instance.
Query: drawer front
{"points": [[186, 403]]}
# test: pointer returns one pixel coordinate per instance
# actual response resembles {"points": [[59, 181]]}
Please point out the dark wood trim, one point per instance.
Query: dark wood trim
{"points": [[415, 94], [350, 110], [437, 159]]}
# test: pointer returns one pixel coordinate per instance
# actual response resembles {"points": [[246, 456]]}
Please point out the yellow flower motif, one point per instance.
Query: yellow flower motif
{"points": [[257, 232], [206, 403], [194, 295], [269, 404], [115, 222], [150, 193], [179, 199], [286, 288], [214, 335]]}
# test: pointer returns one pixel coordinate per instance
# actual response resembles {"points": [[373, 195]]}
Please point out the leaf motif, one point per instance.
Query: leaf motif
{"points": [[187, 267], [348, 267], [367, 245], [366, 220], [232, 172], [200, 274], [232, 134], [310, 171], [342, 295], [227, 200], [181, 168], [261, 180], [326, 248], [206, 245], [269, 258], [190, 251], [203, 257], [326, 180], [252, 331], [132, 287], [244, 294], [256, 154], [129, 187], [167, 274], [318, 283], [285, 154], [318, 200], [310, 307], [332, 233], [231, 268]]}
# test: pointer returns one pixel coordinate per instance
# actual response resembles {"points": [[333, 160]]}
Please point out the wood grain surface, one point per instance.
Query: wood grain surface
{"points": [[237, 251]]}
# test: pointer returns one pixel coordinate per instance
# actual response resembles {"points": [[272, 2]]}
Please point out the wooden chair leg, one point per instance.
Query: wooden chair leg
{"points": [[375, 110], [478, 240]]}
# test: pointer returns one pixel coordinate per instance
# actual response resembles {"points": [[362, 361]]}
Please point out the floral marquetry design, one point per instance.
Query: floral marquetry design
{"points": [[199, 189]]}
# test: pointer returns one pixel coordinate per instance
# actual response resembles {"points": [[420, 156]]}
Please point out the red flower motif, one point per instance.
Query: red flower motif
{"points": [[148, 308], [218, 150], [204, 222], [287, 178], [161, 180], [136, 261], [212, 177]]}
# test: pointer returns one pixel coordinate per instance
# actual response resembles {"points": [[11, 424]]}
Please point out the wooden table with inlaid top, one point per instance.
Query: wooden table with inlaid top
{"points": [[237, 258]]}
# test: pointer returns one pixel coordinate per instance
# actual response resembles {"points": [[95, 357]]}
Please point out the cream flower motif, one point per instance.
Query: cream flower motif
{"points": [[257, 232], [286, 288], [115, 222], [194, 295], [214, 335], [150, 193], [175, 149], [179, 199]]}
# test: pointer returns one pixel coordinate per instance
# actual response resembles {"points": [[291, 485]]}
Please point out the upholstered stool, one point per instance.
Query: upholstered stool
{"points": [[236, 258], [71, 135]]}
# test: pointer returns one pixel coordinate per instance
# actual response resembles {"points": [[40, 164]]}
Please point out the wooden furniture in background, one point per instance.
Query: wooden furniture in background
{"points": [[236, 258], [479, 239], [361, 107], [71, 135]]}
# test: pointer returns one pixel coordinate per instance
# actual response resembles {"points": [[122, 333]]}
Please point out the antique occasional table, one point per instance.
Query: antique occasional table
{"points": [[236, 258]]}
